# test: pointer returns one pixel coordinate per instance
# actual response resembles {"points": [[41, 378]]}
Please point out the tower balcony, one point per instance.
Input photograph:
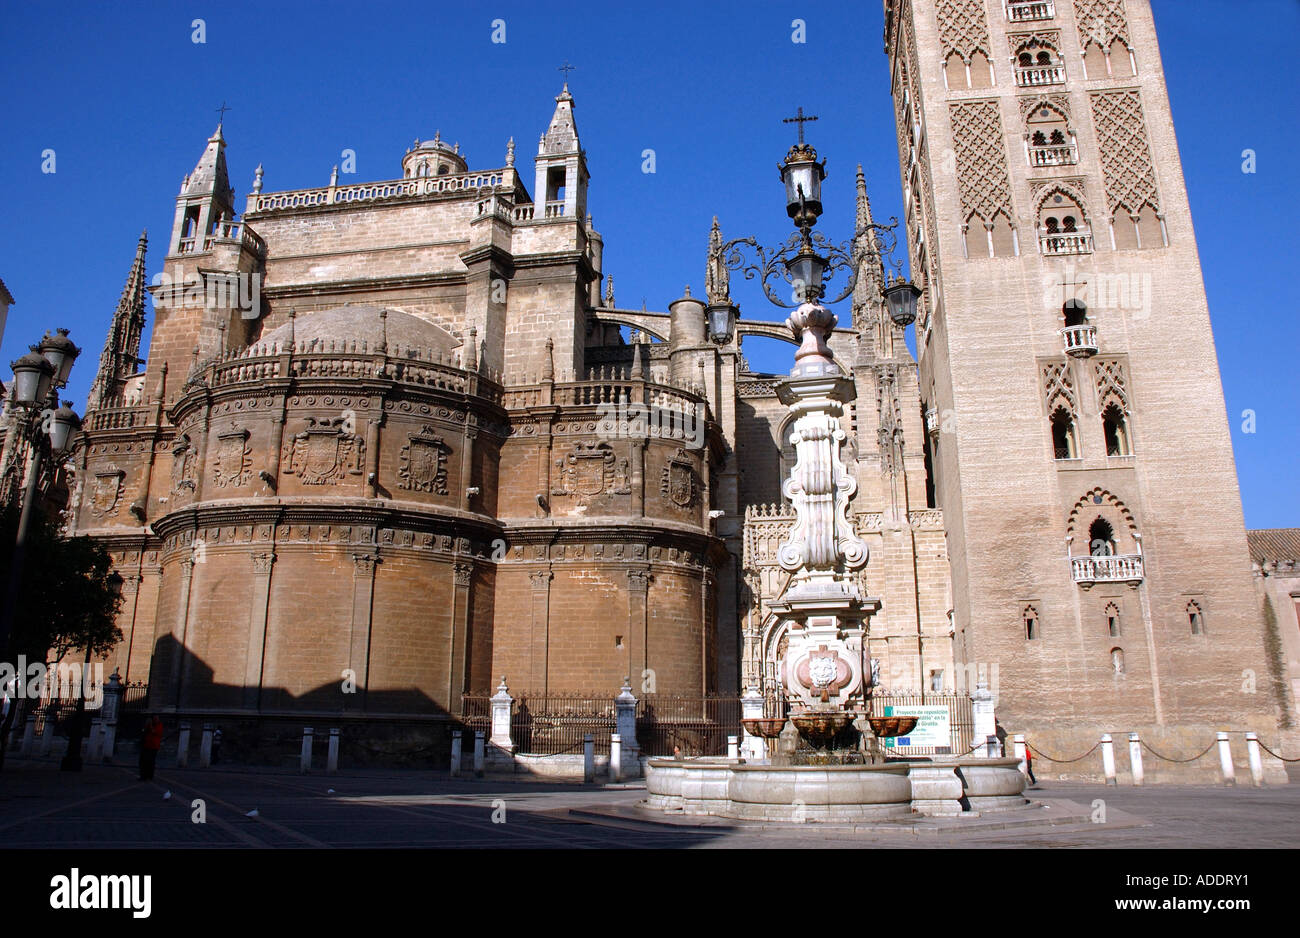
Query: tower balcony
{"points": [[1036, 76], [1080, 341], [1115, 568], [1019, 11], [1060, 155], [1064, 243]]}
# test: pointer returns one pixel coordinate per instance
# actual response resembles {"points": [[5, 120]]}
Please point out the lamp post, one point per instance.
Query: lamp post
{"points": [[40, 422]]}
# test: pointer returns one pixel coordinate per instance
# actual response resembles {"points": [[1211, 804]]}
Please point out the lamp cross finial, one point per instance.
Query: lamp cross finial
{"points": [[799, 119]]}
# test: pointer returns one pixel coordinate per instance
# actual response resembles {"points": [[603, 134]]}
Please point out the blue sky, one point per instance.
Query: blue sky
{"points": [[126, 100]]}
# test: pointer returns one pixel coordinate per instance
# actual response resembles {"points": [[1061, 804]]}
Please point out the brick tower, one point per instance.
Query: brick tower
{"points": [[1077, 430]]}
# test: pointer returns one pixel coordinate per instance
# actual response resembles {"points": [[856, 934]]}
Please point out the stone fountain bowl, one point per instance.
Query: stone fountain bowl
{"points": [[766, 727], [822, 725], [890, 727]]}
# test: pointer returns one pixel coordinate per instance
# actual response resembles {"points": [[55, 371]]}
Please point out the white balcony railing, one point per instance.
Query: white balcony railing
{"points": [[1038, 75], [1080, 341], [1075, 242], [1117, 568], [1021, 12], [1062, 155]]}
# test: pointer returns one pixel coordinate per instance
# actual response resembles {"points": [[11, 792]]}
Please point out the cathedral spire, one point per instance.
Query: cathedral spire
{"points": [[562, 134], [121, 355], [209, 175], [866, 248]]}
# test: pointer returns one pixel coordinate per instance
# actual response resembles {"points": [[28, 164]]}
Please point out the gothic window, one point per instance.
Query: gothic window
{"points": [[1101, 538], [1065, 444], [1195, 618], [1115, 426], [1031, 623], [1037, 62], [1112, 620], [1062, 223]]}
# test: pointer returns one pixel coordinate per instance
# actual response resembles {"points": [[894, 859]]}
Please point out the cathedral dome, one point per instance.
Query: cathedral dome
{"points": [[433, 157], [358, 324]]}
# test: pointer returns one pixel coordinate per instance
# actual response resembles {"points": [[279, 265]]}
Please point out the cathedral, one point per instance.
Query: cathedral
{"points": [[394, 440]]}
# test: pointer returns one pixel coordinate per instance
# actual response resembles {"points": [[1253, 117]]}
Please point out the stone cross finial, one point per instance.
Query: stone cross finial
{"points": [[800, 120]]}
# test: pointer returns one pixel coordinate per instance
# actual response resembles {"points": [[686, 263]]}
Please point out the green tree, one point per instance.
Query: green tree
{"points": [[68, 599]]}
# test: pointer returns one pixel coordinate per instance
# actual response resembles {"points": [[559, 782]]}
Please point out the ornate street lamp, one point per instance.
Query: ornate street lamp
{"points": [[901, 296], [33, 375], [722, 322], [808, 260], [38, 423]]}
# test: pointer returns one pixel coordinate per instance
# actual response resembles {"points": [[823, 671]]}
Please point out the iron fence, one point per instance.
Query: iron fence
{"points": [[547, 724], [698, 726]]}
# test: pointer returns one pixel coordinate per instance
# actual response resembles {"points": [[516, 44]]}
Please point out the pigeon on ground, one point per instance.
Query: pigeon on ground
{"points": [[252, 813]]}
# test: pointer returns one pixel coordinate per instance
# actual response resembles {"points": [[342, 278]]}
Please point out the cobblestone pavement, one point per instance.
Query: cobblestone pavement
{"points": [[106, 806]]}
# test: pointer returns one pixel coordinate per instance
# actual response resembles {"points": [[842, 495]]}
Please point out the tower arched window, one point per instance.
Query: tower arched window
{"points": [[1065, 443], [1031, 624], [1069, 225], [1025, 60], [1039, 139], [1058, 137], [1115, 427], [1101, 538], [1112, 620], [1053, 226], [1044, 59], [1117, 660], [1195, 618]]}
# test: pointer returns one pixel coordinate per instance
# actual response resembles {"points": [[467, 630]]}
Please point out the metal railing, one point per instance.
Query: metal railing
{"points": [[961, 722]]}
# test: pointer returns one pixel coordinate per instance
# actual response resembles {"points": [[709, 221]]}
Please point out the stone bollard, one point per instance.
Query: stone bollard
{"points": [[29, 735], [733, 747], [1108, 758], [1135, 758], [751, 708], [588, 758], [304, 761], [332, 754], [109, 713], [1018, 750], [625, 724], [1225, 760], [205, 747], [615, 757], [478, 753], [47, 735], [457, 740], [183, 745], [1256, 761], [96, 747]]}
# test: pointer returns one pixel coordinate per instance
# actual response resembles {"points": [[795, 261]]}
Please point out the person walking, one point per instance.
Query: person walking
{"points": [[150, 742], [1029, 765]]}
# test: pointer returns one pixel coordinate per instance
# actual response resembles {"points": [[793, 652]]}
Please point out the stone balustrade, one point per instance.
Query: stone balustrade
{"points": [[387, 190], [1038, 75], [1080, 341], [1022, 12], [1059, 155], [1060, 243], [1115, 568]]}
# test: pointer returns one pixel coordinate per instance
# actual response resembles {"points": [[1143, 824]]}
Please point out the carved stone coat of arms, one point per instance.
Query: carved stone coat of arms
{"points": [[323, 453]]}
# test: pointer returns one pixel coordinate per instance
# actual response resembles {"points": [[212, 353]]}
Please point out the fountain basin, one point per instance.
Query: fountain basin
{"points": [[833, 793], [765, 727], [891, 727], [821, 726]]}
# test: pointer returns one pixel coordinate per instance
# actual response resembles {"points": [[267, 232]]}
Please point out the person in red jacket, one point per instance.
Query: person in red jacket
{"points": [[150, 742], [1029, 764]]}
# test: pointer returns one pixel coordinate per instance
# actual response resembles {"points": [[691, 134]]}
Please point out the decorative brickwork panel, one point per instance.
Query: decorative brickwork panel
{"points": [[1101, 22], [1112, 384], [981, 159], [963, 28], [1058, 387], [1125, 155]]}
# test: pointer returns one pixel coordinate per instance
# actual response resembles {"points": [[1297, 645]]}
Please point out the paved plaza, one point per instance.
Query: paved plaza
{"points": [[106, 806]]}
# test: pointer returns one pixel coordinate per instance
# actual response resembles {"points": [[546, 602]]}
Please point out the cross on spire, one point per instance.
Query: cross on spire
{"points": [[800, 120], [566, 68], [221, 112]]}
